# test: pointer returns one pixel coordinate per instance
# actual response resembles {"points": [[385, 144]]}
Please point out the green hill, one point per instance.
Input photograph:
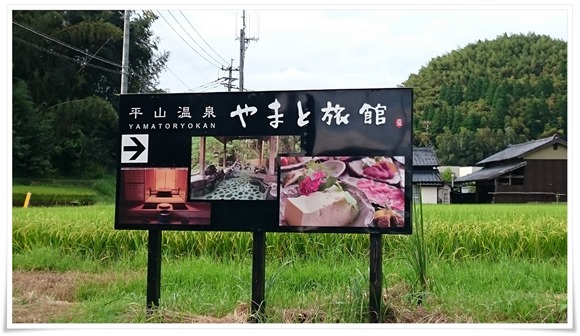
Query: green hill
{"points": [[472, 102]]}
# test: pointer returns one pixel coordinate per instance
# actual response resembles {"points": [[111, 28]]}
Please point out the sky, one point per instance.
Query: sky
{"points": [[299, 48]]}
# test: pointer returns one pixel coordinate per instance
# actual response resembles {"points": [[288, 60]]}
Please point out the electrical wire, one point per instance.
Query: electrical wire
{"points": [[194, 41], [205, 85], [196, 69], [84, 63], [75, 60], [211, 87], [67, 45], [182, 82], [217, 66], [195, 30]]}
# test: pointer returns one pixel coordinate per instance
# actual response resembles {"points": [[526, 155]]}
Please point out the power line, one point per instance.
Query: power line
{"points": [[212, 83], [192, 62], [75, 60], [182, 82], [85, 63], [195, 67], [211, 87], [81, 62], [194, 41], [217, 66], [66, 45], [195, 30], [78, 71], [207, 86]]}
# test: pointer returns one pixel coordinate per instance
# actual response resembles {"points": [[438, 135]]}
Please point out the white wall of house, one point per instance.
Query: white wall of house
{"points": [[429, 195], [549, 153], [468, 170]]}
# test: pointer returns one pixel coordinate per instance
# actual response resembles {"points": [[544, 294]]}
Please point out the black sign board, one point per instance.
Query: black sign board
{"points": [[272, 161]]}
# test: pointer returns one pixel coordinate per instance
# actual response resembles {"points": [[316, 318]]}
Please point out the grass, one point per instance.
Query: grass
{"points": [[328, 290], [509, 291], [535, 232], [418, 254], [487, 263]]}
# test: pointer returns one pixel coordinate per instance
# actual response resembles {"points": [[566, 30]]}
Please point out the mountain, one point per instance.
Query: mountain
{"points": [[474, 101]]}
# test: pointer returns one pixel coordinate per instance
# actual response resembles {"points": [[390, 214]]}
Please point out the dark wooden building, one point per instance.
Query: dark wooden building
{"points": [[535, 171]]}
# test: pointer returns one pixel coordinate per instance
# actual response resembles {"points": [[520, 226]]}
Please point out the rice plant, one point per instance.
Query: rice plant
{"points": [[417, 253], [450, 232]]}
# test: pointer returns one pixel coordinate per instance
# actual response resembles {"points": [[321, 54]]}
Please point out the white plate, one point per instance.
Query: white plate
{"points": [[358, 167], [334, 167]]}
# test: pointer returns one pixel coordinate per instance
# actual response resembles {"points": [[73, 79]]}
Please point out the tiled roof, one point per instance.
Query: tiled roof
{"points": [[424, 156], [429, 178], [489, 173], [520, 150]]}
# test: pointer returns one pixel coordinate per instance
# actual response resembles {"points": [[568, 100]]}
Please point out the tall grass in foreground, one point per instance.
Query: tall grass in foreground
{"points": [[417, 253], [453, 232], [313, 290]]}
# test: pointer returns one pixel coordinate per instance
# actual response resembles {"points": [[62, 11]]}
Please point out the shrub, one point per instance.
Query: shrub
{"points": [[52, 196]]}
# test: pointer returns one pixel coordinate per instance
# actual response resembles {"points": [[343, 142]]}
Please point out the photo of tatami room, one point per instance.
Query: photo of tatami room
{"points": [[158, 196]]}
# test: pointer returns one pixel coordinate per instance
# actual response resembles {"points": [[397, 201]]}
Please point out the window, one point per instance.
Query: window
{"points": [[416, 191]]}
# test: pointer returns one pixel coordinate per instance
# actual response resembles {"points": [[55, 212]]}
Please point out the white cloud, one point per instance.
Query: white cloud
{"points": [[301, 49]]}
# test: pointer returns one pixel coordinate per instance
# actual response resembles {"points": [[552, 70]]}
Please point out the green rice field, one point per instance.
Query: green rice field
{"points": [[484, 264]]}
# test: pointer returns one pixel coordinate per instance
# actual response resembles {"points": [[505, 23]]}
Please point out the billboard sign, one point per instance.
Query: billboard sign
{"points": [[271, 161]]}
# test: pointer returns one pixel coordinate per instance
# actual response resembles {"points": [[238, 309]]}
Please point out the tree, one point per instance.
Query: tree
{"points": [[446, 175], [455, 148], [31, 137], [500, 106], [534, 117], [494, 84], [85, 133], [71, 64]]}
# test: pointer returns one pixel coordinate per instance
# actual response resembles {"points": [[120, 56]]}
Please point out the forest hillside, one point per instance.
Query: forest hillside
{"points": [[474, 101]]}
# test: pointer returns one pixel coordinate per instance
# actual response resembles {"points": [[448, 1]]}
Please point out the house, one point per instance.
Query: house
{"points": [[426, 177], [534, 171]]}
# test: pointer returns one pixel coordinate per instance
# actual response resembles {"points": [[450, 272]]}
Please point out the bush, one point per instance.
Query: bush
{"points": [[52, 196]]}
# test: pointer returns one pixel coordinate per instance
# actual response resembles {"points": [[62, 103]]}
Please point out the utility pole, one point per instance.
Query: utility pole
{"points": [[125, 61], [230, 78], [243, 46]]}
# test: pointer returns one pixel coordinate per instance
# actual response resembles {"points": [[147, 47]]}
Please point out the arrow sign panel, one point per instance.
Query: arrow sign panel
{"points": [[134, 148]]}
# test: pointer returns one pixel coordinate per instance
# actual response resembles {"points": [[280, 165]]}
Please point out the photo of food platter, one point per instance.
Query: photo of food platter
{"points": [[342, 191]]}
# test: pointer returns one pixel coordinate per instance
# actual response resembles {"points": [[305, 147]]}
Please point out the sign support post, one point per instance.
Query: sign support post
{"points": [[258, 305], [153, 270], [375, 278]]}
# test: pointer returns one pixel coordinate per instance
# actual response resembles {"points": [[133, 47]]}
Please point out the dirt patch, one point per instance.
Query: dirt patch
{"points": [[40, 296], [37, 297], [401, 309], [239, 315]]}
